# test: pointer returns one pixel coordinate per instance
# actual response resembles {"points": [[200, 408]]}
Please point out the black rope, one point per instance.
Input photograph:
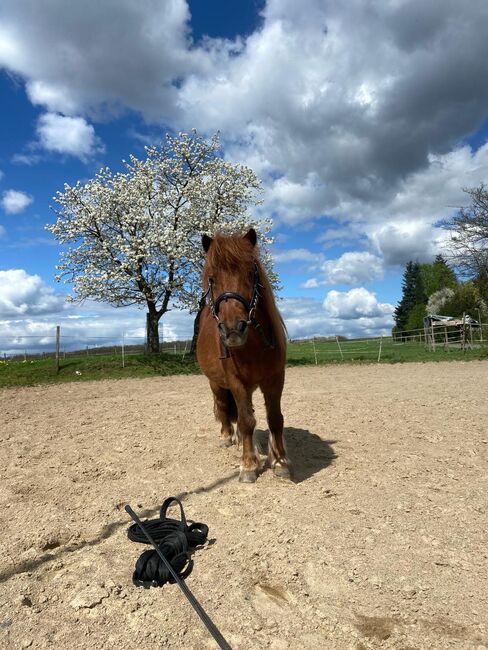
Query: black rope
{"points": [[196, 533], [150, 570], [204, 617], [175, 538]]}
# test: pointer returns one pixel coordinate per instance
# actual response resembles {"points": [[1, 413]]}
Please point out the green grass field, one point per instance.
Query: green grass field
{"points": [[368, 350], [83, 368]]}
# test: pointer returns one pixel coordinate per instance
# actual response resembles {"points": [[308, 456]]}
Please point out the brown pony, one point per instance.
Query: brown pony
{"points": [[242, 346]]}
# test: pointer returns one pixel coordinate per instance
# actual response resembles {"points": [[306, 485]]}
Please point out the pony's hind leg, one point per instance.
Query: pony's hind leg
{"points": [[226, 412], [277, 456]]}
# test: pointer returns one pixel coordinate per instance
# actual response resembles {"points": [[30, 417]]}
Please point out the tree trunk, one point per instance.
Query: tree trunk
{"points": [[152, 332], [196, 326]]}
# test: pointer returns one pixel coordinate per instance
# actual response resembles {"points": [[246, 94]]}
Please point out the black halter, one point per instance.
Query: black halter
{"points": [[249, 305]]}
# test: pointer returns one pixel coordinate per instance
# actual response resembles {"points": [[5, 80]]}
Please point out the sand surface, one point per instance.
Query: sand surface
{"points": [[381, 541]]}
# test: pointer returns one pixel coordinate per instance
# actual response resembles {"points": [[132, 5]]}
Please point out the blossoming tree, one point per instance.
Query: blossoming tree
{"points": [[134, 237]]}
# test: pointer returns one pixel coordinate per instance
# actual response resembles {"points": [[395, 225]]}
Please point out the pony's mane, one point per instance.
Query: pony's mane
{"points": [[229, 253], [233, 254]]}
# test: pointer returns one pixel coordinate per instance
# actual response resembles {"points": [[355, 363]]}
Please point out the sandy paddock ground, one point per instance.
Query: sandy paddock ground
{"points": [[381, 541]]}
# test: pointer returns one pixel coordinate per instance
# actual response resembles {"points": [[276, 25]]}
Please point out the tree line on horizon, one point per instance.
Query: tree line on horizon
{"points": [[436, 289], [454, 289]]}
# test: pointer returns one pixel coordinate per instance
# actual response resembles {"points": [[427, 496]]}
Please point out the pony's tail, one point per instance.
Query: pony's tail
{"points": [[231, 407]]}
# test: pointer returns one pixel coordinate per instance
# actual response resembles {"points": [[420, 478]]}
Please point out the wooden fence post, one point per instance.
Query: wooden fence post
{"points": [[340, 349], [463, 340], [314, 350], [58, 332]]}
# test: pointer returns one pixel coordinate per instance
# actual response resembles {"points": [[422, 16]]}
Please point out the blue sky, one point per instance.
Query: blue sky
{"points": [[363, 121]]}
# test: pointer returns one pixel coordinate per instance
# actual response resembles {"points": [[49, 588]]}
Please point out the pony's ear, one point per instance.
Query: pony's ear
{"points": [[251, 236], [206, 241]]}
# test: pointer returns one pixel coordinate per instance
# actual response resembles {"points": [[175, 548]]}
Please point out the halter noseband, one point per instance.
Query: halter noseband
{"points": [[250, 306]]}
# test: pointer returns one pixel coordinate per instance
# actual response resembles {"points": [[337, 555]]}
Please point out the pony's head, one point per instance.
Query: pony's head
{"points": [[231, 276]]}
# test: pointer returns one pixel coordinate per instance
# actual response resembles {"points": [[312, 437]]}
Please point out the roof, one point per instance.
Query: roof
{"points": [[435, 320]]}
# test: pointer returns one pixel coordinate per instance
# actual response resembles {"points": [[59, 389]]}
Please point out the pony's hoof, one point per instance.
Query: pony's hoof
{"points": [[282, 471], [247, 476], [225, 443]]}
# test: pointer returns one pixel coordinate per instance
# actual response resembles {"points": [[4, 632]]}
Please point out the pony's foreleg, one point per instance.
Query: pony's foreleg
{"points": [[246, 423], [277, 456], [226, 412]]}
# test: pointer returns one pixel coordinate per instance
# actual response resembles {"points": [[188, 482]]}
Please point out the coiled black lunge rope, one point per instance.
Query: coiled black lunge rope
{"points": [[150, 570], [175, 539], [205, 618]]}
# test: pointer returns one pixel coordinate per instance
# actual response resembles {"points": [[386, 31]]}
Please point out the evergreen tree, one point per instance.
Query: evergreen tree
{"points": [[438, 275], [413, 294]]}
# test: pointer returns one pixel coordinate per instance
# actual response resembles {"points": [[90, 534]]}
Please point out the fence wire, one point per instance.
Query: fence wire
{"points": [[316, 349]]}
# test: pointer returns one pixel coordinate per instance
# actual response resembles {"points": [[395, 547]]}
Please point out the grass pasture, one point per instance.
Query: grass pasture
{"points": [[368, 350]]}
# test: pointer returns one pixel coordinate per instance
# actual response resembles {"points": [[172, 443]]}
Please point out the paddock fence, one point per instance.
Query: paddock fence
{"points": [[411, 344], [405, 345], [59, 346]]}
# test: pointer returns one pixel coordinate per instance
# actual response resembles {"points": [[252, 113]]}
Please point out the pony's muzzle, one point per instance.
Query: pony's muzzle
{"points": [[233, 337]]}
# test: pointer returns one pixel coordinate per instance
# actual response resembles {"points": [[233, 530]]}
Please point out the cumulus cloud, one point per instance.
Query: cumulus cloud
{"points": [[346, 99], [22, 294], [343, 235], [349, 268], [67, 135], [356, 110], [307, 317], [356, 303], [89, 324], [410, 240], [14, 202], [296, 255], [49, 49]]}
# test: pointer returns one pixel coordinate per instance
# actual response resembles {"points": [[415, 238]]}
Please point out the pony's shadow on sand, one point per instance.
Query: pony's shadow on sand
{"points": [[309, 454]]}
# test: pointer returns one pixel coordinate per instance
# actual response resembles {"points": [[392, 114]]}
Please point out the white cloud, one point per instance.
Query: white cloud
{"points": [[350, 268], [354, 304], [89, 324], [306, 317], [343, 235], [68, 135], [296, 255], [52, 96], [353, 111], [26, 158], [22, 294], [311, 283], [14, 202], [411, 240], [49, 49]]}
